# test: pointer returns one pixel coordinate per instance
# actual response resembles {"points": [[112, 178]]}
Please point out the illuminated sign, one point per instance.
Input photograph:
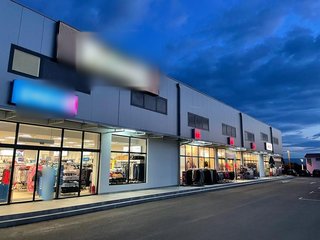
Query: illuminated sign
{"points": [[253, 146], [42, 97], [231, 141], [196, 133], [268, 146]]}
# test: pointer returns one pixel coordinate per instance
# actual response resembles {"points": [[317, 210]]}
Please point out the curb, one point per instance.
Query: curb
{"points": [[38, 216]]}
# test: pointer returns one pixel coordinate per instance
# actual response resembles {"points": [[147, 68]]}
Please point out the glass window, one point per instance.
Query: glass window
{"points": [[48, 165], [89, 173], [24, 176], [221, 153], [72, 139], [162, 105], [150, 102], [137, 168], [91, 140], [6, 155], [119, 168], [137, 98], [25, 63], [264, 137], [127, 164], [195, 151], [183, 150], [120, 144], [7, 132], [39, 136], [70, 174], [138, 145], [188, 150], [191, 120]]}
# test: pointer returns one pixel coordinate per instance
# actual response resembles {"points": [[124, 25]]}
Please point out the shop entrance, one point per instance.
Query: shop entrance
{"points": [[35, 175], [43, 163]]}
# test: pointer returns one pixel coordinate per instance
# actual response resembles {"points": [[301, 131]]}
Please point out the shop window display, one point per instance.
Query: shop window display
{"points": [[128, 160], [251, 161], [195, 157], [6, 155]]}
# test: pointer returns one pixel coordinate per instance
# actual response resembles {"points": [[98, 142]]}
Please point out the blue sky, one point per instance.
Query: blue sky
{"points": [[261, 57]]}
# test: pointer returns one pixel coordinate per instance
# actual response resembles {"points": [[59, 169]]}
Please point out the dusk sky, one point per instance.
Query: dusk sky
{"points": [[261, 57]]}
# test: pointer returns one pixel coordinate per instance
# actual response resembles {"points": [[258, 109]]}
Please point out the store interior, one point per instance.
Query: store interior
{"points": [[40, 155]]}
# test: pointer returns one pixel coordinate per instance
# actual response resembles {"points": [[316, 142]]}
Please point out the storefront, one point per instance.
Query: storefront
{"points": [[250, 160], [193, 156], [42, 163], [128, 160]]}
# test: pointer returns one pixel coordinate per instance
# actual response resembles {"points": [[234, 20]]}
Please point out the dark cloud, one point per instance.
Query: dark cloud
{"points": [[262, 57]]}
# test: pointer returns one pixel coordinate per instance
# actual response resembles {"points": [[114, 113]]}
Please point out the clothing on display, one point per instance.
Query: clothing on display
{"points": [[69, 179]]}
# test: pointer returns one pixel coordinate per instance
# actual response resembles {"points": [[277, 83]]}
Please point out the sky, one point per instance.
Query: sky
{"points": [[261, 57]]}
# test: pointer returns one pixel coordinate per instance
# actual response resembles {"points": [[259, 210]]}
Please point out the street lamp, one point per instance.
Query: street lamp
{"points": [[301, 159], [289, 159]]}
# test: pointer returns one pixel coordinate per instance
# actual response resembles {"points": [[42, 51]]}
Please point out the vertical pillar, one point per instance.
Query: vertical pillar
{"points": [[261, 165], [105, 156], [216, 159]]}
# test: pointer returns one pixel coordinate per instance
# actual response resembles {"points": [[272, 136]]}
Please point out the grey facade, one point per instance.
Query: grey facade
{"points": [[109, 107]]}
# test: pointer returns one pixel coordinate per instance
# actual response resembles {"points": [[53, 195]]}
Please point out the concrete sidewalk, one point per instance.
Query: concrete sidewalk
{"points": [[24, 213]]}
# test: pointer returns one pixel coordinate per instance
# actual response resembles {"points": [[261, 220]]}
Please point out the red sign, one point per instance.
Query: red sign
{"points": [[196, 133], [253, 146], [231, 141]]}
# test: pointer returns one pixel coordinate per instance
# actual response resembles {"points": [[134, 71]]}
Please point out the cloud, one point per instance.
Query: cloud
{"points": [[262, 57]]}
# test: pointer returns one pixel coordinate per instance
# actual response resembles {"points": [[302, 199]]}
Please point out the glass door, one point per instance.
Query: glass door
{"points": [[48, 165], [70, 174], [6, 155], [24, 175]]}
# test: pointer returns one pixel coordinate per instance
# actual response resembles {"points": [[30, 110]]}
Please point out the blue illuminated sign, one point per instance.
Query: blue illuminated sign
{"points": [[39, 96]]}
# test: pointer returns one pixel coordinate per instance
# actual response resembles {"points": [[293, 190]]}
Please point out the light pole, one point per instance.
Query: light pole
{"points": [[301, 159], [289, 159]]}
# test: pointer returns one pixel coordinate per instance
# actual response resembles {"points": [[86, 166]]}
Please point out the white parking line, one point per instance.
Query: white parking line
{"points": [[313, 182], [311, 192]]}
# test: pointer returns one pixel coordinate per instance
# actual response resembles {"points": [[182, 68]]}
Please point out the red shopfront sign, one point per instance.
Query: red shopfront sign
{"points": [[253, 146], [231, 141], [196, 133]]}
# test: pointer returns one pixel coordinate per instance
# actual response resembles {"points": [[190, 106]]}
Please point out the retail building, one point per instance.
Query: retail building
{"points": [[101, 138]]}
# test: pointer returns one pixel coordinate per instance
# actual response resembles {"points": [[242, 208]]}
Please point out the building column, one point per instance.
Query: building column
{"points": [[216, 159], [261, 165], [105, 156]]}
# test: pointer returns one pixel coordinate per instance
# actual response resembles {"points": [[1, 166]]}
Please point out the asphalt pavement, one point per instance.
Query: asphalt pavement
{"points": [[288, 209]]}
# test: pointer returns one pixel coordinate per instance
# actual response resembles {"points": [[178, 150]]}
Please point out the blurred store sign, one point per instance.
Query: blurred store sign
{"points": [[87, 54], [268, 146], [196, 133], [43, 97]]}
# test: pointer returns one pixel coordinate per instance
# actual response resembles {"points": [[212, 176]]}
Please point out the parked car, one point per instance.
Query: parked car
{"points": [[316, 173], [291, 172], [304, 173]]}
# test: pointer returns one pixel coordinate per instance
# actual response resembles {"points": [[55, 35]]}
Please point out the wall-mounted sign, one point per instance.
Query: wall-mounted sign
{"points": [[196, 133], [253, 146], [268, 146], [231, 141], [42, 97], [87, 53]]}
